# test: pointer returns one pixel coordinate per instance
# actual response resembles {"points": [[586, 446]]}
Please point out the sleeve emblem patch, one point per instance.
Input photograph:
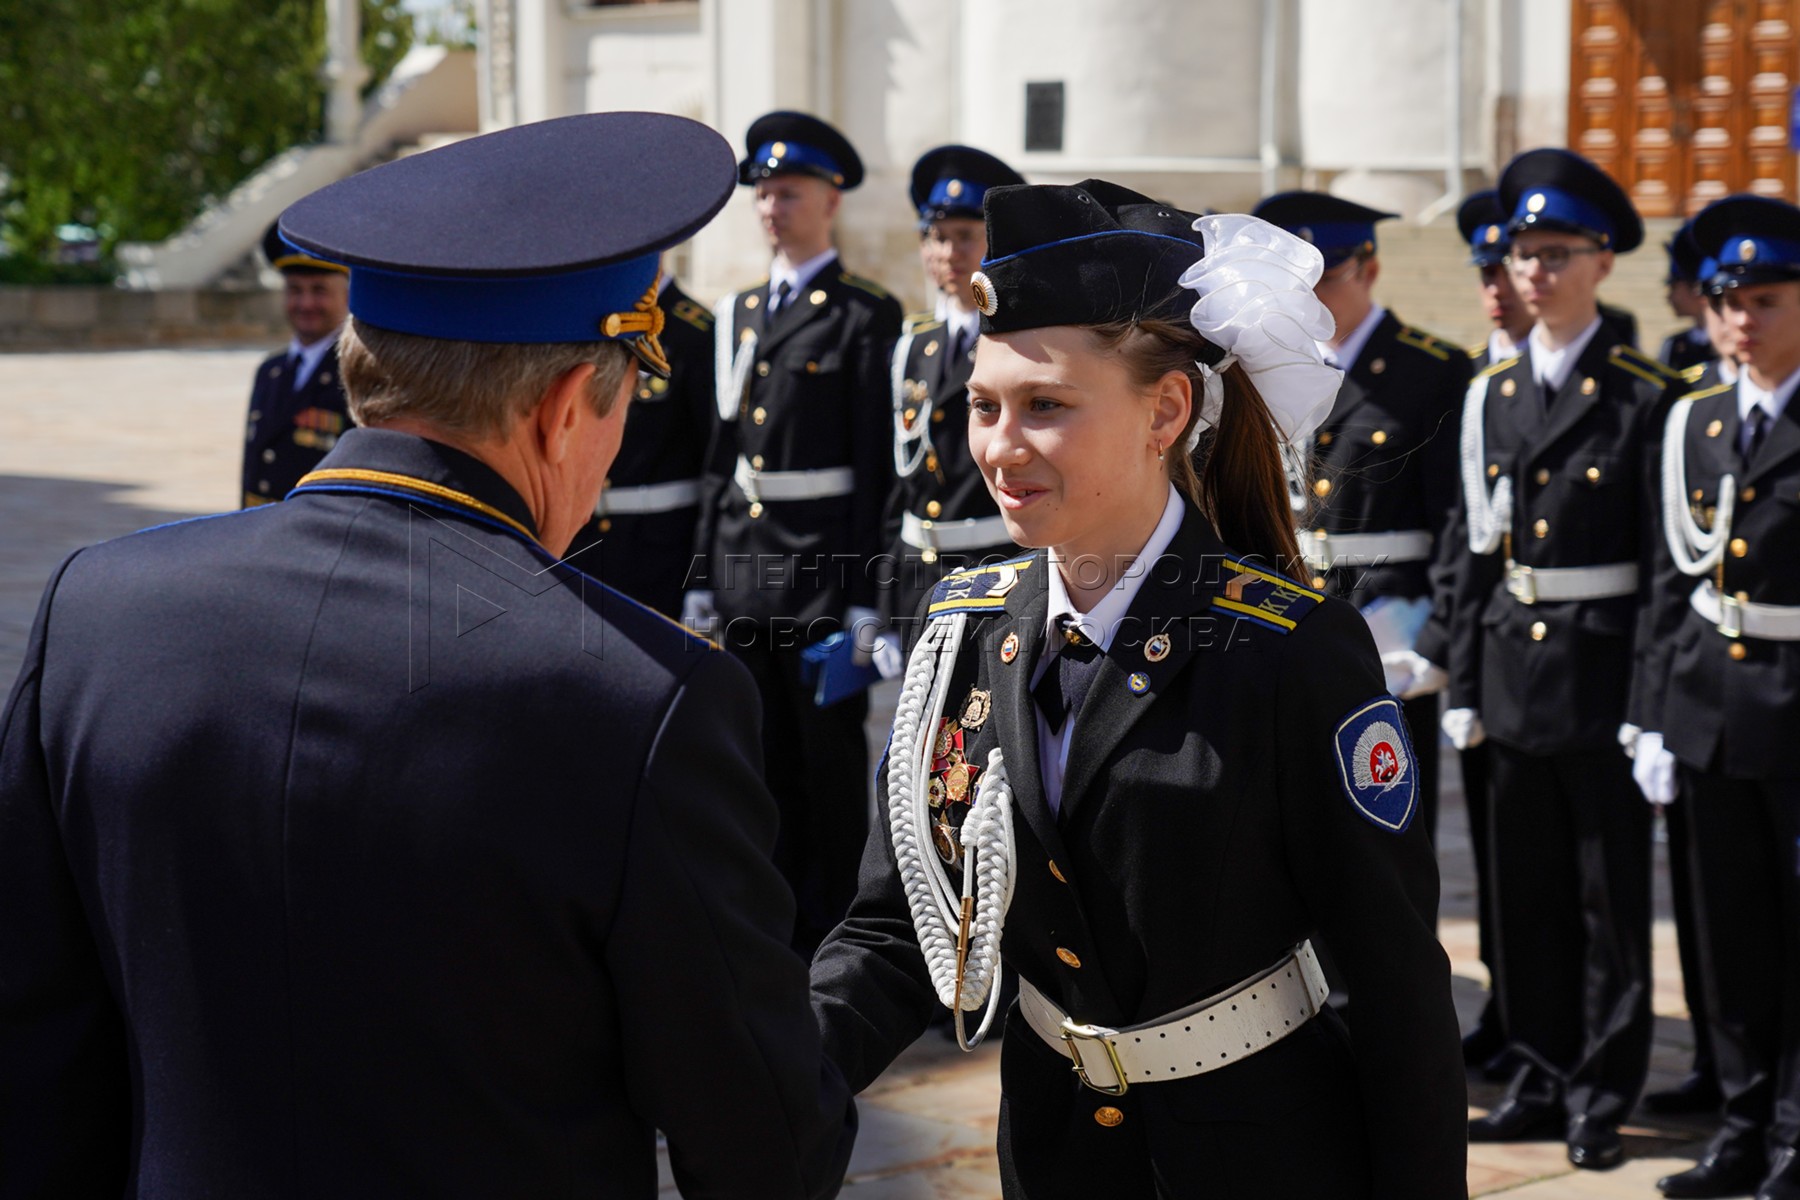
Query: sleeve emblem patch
{"points": [[1376, 767]]}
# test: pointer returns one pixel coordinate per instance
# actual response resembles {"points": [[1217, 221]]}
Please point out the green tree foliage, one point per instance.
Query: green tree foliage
{"points": [[128, 115]]}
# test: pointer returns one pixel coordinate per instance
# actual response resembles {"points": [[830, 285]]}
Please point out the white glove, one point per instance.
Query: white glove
{"points": [[890, 657], [1628, 738], [864, 625], [1410, 674], [1654, 769], [698, 613], [1463, 727]]}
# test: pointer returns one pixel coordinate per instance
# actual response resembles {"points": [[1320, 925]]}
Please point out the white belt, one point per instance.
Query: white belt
{"points": [[648, 498], [793, 485], [974, 533], [1740, 618], [1322, 550], [1214, 1033], [1528, 585]]}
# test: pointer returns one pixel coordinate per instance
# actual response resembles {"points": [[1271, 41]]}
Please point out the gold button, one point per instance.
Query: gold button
{"points": [[1108, 1116], [1318, 581], [605, 524], [931, 462], [268, 456], [755, 509], [750, 302], [1543, 476], [759, 415], [1057, 871], [762, 370], [1378, 366], [933, 508], [818, 296], [928, 556], [1738, 652], [1068, 956], [643, 393], [1379, 437], [908, 415], [262, 485], [1322, 488], [1715, 428], [1749, 495], [812, 368], [1508, 388], [1588, 385], [937, 416], [1538, 630], [756, 462], [1699, 494], [1493, 470], [1541, 527], [1324, 439], [1739, 547], [1593, 474]]}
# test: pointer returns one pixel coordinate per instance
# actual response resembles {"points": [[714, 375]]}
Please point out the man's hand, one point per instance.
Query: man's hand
{"points": [[1410, 674], [698, 613], [1654, 769], [1463, 727]]}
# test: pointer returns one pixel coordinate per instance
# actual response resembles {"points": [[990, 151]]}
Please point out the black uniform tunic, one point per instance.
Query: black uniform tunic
{"points": [[1204, 830], [1728, 709], [944, 484], [288, 432], [350, 849], [1385, 462], [1570, 837], [668, 432]]}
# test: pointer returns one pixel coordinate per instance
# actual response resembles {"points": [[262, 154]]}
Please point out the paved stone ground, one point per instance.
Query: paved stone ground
{"points": [[96, 445]]}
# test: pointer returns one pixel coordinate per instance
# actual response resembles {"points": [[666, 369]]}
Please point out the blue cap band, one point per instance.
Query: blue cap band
{"points": [[1489, 245], [1708, 268], [1337, 238], [1549, 205], [953, 194], [1758, 252], [792, 155], [566, 307]]}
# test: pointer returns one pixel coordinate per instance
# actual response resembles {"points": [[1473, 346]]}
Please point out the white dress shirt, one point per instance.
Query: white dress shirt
{"points": [[1098, 626], [1343, 356], [1501, 346], [797, 277], [1553, 367], [963, 325], [310, 356], [1774, 403]]}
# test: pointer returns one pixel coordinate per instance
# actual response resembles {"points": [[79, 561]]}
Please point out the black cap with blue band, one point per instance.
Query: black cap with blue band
{"points": [[1482, 223], [1749, 240], [1338, 227], [549, 232], [796, 143], [1685, 257], [1558, 191], [951, 181]]}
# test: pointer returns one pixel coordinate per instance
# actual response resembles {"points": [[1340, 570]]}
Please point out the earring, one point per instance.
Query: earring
{"points": [[1159, 453]]}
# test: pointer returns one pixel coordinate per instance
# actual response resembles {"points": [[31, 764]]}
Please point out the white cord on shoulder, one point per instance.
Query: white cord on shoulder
{"points": [[910, 448], [731, 361], [1696, 551], [1489, 517], [958, 927]]}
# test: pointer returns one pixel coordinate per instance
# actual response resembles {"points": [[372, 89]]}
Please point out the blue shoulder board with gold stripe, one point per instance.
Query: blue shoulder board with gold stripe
{"points": [[978, 588], [1264, 597]]}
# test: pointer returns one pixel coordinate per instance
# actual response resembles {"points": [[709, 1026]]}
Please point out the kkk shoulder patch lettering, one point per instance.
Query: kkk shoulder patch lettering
{"points": [[978, 588], [1376, 764]]}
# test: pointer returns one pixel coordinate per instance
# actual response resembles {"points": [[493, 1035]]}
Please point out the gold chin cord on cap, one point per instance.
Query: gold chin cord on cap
{"points": [[646, 319]]}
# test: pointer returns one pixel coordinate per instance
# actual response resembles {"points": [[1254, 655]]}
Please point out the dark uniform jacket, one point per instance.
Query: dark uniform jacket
{"points": [[288, 434], [945, 483], [1681, 351], [1204, 831], [668, 434], [1385, 460], [1555, 676], [816, 399], [350, 850], [1730, 705]]}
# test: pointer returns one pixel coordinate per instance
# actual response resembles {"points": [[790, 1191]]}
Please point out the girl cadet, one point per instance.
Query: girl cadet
{"points": [[1158, 763]]}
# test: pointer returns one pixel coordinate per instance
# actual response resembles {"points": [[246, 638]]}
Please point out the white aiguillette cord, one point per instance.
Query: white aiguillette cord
{"points": [[1695, 550], [958, 927], [730, 373], [1489, 518]]}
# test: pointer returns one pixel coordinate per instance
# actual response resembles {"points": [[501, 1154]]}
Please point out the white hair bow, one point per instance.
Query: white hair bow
{"points": [[1257, 304]]}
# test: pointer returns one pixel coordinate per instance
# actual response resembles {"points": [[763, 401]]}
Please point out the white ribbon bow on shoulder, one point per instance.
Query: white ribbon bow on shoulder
{"points": [[1257, 304]]}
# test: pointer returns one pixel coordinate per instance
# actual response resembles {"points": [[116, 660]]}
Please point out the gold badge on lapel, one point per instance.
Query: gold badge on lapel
{"points": [[1009, 649], [976, 708], [1157, 648], [952, 788], [1139, 683]]}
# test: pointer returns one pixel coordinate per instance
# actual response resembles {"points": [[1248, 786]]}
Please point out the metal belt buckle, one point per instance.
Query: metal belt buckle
{"points": [[1521, 583], [1731, 616], [1071, 1033]]}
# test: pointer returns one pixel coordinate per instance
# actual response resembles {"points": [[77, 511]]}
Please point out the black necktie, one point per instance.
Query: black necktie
{"points": [[959, 343], [1067, 676], [293, 373], [781, 298], [1756, 428]]}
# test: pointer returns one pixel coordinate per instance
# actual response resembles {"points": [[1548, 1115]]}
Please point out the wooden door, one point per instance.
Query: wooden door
{"points": [[1685, 101]]}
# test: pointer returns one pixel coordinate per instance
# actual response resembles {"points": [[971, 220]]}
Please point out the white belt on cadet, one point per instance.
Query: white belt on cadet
{"points": [[1214, 1033], [1322, 550], [1528, 585], [793, 485], [1740, 618], [973, 533], [648, 498]]}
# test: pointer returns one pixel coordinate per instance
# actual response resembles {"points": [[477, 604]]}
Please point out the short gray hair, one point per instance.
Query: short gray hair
{"points": [[477, 389]]}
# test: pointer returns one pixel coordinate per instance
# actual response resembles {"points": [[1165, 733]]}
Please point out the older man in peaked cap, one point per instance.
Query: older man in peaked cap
{"points": [[353, 846]]}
